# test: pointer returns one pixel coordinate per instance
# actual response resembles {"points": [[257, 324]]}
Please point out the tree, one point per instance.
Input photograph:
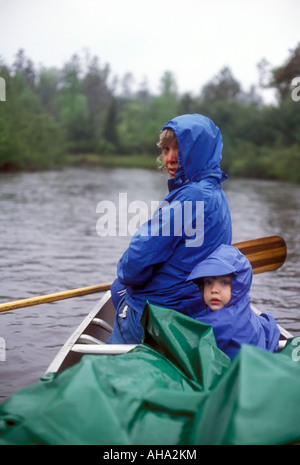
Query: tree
{"points": [[24, 67], [222, 87], [127, 83], [98, 95], [168, 85], [186, 104], [73, 107], [29, 136], [47, 89], [78, 107], [164, 107], [281, 77], [110, 133]]}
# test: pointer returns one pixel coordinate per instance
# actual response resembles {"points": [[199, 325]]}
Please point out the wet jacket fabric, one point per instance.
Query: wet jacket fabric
{"points": [[236, 323], [156, 264]]}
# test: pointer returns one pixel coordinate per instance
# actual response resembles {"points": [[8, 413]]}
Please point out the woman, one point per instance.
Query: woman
{"points": [[191, 221]]}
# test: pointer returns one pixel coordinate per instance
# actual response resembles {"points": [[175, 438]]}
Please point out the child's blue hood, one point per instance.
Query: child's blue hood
{"points": [[225, 260], [236, 323], [200, 147]]}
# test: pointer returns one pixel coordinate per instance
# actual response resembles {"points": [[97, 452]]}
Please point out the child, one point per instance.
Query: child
{"points": [[224, 279]]}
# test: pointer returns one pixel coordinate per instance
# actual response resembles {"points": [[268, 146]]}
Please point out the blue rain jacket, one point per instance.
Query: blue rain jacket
{"points": [[236, 323], [195, 212]]}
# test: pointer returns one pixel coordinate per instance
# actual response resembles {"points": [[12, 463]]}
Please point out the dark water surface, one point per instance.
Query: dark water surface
{"points": [[49, 243]]}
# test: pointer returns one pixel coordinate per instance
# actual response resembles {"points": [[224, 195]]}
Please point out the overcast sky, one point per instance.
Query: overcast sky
{"points": [[192, 38]]}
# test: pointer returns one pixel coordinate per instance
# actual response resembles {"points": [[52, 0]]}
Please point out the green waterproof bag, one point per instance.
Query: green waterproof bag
{"points": [[176, 388]]}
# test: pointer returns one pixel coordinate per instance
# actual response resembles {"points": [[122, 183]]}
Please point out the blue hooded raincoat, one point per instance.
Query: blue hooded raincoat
{"points": [[236, 323], [191, 221]]}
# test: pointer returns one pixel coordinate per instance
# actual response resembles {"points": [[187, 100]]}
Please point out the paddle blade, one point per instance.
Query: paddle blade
{"points": [[265, 253]]}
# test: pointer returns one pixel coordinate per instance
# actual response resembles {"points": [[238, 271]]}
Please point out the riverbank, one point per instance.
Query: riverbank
{"points": [[269, 164], [86, 159], [284, 166], [119, 161]]}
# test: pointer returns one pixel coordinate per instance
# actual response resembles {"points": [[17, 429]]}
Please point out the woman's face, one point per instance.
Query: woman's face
{"points": [[169, 153]]}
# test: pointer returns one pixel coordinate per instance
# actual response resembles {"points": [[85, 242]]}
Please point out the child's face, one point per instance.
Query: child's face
{"points": [[169, 153], [217, 292]]}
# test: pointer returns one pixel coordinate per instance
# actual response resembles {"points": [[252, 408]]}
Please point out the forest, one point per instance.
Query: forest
{"points": [[82, 114]]}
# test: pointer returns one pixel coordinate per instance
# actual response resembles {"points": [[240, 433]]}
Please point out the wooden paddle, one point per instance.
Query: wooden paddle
{"points": [[265, 254]]}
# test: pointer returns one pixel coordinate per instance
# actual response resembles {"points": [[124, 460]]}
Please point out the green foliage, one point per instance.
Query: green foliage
{"points": [[222, 87], [29, 137], [282, 77], [76, 111]]}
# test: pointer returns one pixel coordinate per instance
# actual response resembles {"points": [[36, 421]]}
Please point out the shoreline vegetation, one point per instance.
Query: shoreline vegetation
{"points": [[117, 161], [81, 115]]}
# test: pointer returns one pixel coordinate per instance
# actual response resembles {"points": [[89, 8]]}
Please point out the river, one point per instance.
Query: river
{"points": [[49, 243]]}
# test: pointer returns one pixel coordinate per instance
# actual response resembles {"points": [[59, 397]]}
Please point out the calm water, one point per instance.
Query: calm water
{"points": [[49, 243]]}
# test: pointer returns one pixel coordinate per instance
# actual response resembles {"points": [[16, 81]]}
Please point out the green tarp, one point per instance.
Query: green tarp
{"points": [[177, 388]]}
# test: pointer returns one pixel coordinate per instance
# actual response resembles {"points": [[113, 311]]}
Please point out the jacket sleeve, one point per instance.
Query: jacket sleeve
{"points": [[154, 243]]}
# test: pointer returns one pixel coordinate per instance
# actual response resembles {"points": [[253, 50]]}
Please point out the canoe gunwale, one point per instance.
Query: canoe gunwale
{"points": [[57, 363], [85, 340]]}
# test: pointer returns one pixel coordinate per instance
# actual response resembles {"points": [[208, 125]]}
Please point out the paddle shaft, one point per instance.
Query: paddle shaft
{"points": [[43, 299], [265, 254]]}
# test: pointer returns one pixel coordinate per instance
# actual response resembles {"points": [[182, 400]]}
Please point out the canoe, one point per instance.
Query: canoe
{"points": [[91, 335]]}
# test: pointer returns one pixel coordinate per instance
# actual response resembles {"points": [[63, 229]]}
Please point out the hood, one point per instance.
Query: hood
{"points": [[227, 259], [200, 147], [236, 323]]}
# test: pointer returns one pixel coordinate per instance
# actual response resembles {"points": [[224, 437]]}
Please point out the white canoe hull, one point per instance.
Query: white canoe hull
{"points": [[92, 333]]}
